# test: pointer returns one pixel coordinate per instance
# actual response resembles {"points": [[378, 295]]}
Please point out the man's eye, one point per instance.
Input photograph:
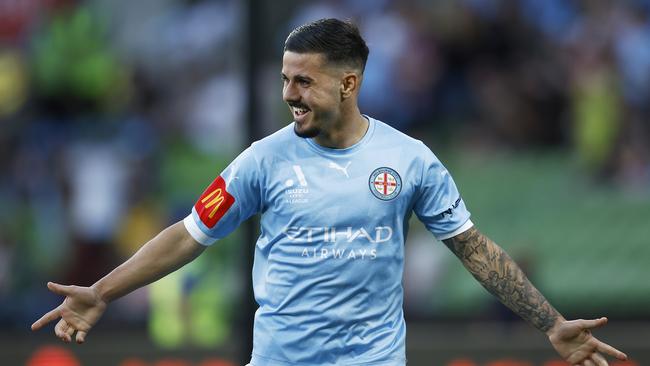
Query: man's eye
{"points": [[304, 82]]}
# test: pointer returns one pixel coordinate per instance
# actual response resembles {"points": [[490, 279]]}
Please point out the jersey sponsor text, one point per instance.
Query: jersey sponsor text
{"points": [[332, 234]]}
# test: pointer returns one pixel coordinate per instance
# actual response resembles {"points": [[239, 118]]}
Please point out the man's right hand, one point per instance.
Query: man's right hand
{"points": [[83, 306], [80, 310]]}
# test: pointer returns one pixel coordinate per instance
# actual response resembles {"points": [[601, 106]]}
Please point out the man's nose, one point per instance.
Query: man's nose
{"points": [[289, 93]]}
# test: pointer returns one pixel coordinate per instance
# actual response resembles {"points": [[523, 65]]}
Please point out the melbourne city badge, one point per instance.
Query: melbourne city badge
{"points": [[385, 183]]}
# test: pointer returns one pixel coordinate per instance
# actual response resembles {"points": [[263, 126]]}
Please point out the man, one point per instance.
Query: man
{"points": [[335, 189]]}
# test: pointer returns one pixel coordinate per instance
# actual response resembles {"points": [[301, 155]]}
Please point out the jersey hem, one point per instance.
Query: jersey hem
{"points": [[466, 226], [258, 360], [196, 232]]}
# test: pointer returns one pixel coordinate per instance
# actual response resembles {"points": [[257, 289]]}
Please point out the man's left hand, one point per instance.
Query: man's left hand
{"points": [[573, 341]]}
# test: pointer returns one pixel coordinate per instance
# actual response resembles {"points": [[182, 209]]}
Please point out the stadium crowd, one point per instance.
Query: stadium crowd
{"points": [[115, 114]]}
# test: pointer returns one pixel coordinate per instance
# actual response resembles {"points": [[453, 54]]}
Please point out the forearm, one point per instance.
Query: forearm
{"points": [[165, 253], [502, 277]]}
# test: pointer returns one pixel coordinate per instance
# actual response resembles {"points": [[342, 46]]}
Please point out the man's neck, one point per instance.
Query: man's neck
{"points": [[345, 133]]}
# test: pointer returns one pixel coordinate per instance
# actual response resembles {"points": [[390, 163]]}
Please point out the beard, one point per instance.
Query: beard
{"points": [[307, 132]]}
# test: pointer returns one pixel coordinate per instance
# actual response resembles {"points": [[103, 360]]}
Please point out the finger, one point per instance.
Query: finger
{"points": [[69, 332], [599, 359], [59, 289], [81, 336], [592, 323], [588, 362], [50, 316], [609, 350], [61, 329]]}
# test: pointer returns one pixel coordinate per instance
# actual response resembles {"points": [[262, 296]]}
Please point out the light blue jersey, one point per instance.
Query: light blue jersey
{"points": [[330, 256]]}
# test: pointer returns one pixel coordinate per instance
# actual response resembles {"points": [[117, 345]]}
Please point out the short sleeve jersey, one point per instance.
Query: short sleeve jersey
{"points": [[328, 264]]}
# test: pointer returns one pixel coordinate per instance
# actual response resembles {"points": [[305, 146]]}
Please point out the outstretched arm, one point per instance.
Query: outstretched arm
{"points": [[501, 276], [83, 306]]}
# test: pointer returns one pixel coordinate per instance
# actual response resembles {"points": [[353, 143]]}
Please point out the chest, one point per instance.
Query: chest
{"points": [[340, 191]]}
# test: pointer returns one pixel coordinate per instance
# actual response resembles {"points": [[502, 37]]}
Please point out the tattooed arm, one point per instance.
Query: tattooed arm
{"points": [[501, 276]]}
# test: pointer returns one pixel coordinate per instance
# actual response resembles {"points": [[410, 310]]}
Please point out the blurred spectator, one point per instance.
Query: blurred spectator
{"points": [[115, 114], [13, 83], [595, 94], [74, 70]]}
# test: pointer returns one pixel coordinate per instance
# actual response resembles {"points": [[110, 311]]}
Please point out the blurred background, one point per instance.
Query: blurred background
{"points": [[115, 115]]}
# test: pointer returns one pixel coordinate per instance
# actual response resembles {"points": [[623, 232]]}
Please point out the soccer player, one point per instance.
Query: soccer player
{"points": [[335, 189]]}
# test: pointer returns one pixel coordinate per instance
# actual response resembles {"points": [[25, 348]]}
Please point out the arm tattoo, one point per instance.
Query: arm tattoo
{"points": [[502, 277]]}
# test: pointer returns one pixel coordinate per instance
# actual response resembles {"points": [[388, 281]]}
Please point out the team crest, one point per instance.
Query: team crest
{"points": [[385, 183]]}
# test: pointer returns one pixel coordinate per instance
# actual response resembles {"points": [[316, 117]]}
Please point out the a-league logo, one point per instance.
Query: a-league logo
{"points": [[385, 183], [214, 203]]}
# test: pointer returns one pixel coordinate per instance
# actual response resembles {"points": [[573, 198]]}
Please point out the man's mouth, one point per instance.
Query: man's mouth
{"points": [[299, 111]]}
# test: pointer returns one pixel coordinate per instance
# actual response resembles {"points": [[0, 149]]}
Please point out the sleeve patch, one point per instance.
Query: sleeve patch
{"points": [[214, 203]]}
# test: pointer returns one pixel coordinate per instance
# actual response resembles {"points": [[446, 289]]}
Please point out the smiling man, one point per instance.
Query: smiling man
{"points": [[335, 190]]}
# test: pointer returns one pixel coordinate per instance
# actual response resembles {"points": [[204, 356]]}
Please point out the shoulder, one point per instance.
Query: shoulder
{"points": [[387, 135]]}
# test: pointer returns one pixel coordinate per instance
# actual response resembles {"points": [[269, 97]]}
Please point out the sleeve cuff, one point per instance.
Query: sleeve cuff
{"points": [[196, 232], [466, 226]]}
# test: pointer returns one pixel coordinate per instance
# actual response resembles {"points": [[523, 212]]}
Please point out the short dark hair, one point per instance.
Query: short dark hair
{"points": [[340, 42]]}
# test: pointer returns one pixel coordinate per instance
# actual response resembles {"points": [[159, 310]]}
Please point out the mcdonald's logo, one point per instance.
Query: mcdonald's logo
{"points": [[214, 203]]}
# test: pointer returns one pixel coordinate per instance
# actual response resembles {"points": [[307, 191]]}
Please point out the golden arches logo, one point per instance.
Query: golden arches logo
{"points": [[216, 201]]}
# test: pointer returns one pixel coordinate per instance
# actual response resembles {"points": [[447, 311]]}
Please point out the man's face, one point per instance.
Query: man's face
{"points": [[311, 88]]}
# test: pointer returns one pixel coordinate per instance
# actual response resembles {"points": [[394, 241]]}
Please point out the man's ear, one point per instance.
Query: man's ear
{"points": [[349, 84]]}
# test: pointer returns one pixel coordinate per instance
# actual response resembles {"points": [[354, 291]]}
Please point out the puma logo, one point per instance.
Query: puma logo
{"points": [[333, 165]]}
